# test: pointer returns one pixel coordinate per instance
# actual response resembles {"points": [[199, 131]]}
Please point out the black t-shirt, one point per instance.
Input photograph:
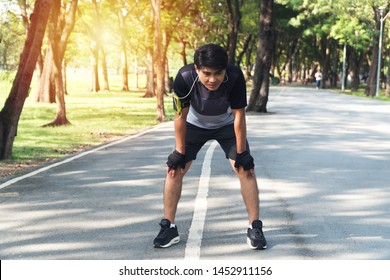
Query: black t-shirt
{"points": [[211, 109]]}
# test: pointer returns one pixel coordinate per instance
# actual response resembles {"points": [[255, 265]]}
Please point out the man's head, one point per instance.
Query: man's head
{"points": [[210, 63], [211, 56]]}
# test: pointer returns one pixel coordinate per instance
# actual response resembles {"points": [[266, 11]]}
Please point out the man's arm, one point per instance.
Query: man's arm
{"points": [[244, 159], [180, 125], [240, 129]]}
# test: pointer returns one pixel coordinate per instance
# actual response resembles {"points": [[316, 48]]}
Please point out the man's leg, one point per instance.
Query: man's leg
{"points": [[172, 192], [169, 234], [249, 192]]}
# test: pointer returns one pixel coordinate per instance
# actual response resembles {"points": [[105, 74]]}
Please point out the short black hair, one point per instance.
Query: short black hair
{"points": [[211, 55]]}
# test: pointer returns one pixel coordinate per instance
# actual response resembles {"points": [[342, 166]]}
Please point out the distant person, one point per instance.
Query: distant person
{"points": [[318, 77], [210, 101]]}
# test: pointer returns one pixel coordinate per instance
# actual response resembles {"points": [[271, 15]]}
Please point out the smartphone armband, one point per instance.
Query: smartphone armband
{"points": [[177, 104]]}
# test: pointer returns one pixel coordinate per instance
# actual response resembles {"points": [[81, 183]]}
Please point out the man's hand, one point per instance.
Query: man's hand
{"points": [[245, 160], [175, 160]]}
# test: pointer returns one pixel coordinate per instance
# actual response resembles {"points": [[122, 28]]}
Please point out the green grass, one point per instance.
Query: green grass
{"points": [[360, 93], [95, 118]]}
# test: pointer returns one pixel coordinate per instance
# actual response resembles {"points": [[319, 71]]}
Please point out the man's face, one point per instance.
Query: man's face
{"points": [[211, 78]]}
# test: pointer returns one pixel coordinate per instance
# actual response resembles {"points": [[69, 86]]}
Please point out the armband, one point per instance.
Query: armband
{"points": [[177, 104]]}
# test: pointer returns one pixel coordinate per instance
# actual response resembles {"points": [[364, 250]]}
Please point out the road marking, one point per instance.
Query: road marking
{"points": [[77, 156], [195, 235]]}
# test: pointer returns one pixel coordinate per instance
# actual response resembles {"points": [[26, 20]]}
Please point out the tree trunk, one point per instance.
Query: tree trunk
{"points": [[167, 79], [46, 91], [125, 77], [95, 86], [183, 45], [150, 66], [158, 59], [354, 67], [65, 76], [248, 61], [235, 21], [167, 83], [335, 62], [63, 26], [106, 86], [26, 24], [136, 72], [259, 95], [150, 84], [95, 47], [55, 33], [10, 114], [388, 78], [371, 83], [244, 49], [124, 66], [324, 60]]}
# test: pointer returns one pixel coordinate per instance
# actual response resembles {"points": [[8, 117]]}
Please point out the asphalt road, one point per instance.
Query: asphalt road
{"points": [[322, 162]]}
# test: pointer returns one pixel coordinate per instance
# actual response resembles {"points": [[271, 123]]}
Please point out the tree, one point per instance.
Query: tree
{"points": [[58, 37], [234, 22], [122, 14], [12, 36], [10, 114], [158, 60], [93, 29], [327, 25], [388, 76], [266, 43], [167, 19], [356, 32], [61, 27], [371, 83]]}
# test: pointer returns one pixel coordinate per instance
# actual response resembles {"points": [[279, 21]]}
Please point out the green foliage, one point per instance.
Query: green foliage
{"points": [[12, 35]]}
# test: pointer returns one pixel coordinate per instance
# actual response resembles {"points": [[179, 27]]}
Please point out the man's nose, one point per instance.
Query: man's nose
{"points": [[212, 78]]}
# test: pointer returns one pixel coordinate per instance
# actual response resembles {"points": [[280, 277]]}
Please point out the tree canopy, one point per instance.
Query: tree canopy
{"points": [[307, 31]]}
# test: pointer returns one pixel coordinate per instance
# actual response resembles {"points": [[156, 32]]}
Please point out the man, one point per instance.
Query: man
{"points": [[210, 104], [318, 77]]}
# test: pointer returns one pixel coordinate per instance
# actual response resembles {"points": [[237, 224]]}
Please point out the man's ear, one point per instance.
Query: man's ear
{"points": [[197, 69]]}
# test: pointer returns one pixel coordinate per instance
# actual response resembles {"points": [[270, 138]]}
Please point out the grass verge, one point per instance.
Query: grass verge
{"points": [[95, 118]]}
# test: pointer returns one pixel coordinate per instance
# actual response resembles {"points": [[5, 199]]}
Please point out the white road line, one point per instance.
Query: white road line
{"points": [[45, 168], [195, 235]]}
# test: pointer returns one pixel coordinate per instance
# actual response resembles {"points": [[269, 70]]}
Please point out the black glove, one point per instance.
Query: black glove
{"points": [[176, 159], [245, 160]]}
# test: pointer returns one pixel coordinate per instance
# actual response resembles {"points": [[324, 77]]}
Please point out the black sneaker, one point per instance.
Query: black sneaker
{"points": [[167, 235], [255, 236]]}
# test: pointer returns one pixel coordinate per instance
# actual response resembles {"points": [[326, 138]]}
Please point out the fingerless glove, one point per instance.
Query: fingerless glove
{"points": [[176, 159], [245, 160]]}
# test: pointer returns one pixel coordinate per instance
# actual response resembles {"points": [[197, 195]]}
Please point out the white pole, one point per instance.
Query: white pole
{"points": [[379, 57]]}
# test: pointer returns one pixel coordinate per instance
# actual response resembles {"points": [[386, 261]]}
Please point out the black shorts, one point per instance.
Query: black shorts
{"points": [[196, 137]]}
